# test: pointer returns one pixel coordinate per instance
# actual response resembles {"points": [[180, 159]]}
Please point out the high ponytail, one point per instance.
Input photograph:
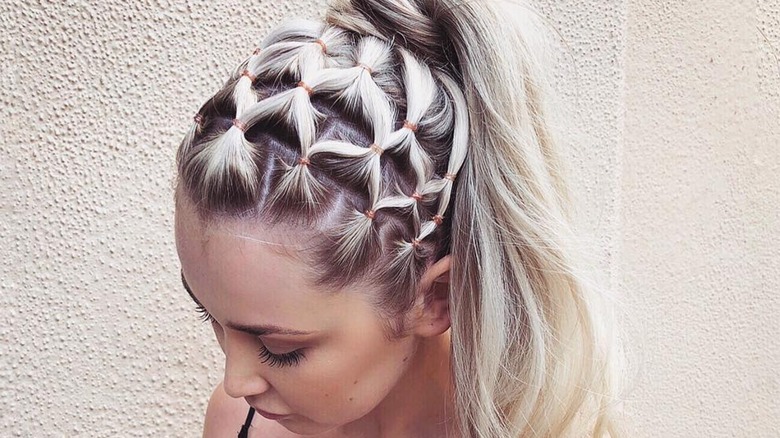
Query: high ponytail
{"points": [[531, 349]]}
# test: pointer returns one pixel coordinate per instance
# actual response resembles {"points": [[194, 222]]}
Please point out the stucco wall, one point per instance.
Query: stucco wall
{"points": [[700, 223], [674, 147]]}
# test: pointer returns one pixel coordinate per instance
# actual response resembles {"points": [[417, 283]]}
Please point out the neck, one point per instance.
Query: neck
{"points": [[422, 403]]}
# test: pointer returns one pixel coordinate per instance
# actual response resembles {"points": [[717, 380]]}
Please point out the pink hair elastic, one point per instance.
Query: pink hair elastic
{"points": [[240, 125], [416, 196], [363, 66], [370, 214], [306, 87], [303, 161], [198, 118], [415, 242], [410, 126], [437, 219], [322, 44], [249, 75], [376, 148], [450, 176]]}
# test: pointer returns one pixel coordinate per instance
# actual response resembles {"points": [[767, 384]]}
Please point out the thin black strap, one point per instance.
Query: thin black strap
{"points": [[248, 422]]}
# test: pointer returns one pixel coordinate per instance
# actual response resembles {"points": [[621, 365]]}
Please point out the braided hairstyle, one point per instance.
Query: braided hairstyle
{"points": [[345, 133], [400, 131]]}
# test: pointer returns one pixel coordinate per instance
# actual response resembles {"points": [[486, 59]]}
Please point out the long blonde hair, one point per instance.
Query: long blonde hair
{"points": [[402, 131]]}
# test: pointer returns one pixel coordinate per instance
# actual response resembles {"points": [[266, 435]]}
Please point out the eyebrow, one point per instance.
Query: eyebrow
{"points": [[257, 330]]}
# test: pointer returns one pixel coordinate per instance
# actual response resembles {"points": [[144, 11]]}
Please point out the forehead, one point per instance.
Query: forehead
{"points": [[189, 222], [246, 274]]}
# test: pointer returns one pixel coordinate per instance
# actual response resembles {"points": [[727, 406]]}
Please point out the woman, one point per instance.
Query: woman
{"points": [[371, 216]]}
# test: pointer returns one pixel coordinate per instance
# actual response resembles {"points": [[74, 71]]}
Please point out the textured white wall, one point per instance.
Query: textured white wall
{"points": [[674, 140], [700, 215]]}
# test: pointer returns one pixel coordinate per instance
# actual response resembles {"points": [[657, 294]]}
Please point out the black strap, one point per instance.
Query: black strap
{"points": [[248, 422]]}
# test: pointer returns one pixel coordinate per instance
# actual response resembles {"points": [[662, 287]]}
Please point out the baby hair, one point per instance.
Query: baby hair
{"points": [[401, 131]]}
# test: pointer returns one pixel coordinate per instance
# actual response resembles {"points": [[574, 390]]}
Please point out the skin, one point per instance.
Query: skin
{"points": [[352, 382]]}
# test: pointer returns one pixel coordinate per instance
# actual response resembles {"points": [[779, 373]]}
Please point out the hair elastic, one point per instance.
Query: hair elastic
{"points": [[306, 87], [410, 126], [438, 219], [450, 176], [415, 242], [416, 196], [249, 75], [198, 118], [322, 44], [376, 148], [370, 214], [363, 66], [240, 125], [303, 161]]}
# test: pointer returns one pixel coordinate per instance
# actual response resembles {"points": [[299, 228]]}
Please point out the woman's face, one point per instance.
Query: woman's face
{"points": [[336, 370]]}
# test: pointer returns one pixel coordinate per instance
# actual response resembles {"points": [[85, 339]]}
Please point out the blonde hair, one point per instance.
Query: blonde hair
{"points": [[402, 131]]}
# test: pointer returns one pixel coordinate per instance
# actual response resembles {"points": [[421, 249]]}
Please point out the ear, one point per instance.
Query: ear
{"points": [[433, 310]]}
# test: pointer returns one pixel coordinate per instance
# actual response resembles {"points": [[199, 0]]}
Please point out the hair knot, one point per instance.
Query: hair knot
{"points": [[240, 125], [322, 44], [251, 77], [306, 87], [376, 148], [365, 67]]}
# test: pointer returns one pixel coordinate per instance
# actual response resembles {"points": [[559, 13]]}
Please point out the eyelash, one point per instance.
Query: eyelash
{"points": [[281, 360], [204, 315], [275, 360]]}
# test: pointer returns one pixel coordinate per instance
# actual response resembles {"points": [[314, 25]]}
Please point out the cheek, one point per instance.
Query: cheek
{"points": [[345, 385]]}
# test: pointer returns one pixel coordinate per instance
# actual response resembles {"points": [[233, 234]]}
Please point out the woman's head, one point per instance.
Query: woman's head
{"points": [[379, 147], [320, 357], [346, 138], [313, 195]]}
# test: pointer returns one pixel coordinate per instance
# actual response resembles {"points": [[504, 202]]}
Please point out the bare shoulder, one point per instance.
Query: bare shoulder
{"points": [[225, 415]]}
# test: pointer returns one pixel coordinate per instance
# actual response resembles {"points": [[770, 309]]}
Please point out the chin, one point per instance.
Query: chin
{"points": [[305, 428]]}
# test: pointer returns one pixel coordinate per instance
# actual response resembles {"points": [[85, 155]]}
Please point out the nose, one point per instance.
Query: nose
{"points": [[242, 378]]}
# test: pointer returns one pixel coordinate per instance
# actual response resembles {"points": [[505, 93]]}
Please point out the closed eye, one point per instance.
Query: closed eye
{"points": [[275, 360], [281, 360], [204, 314]]}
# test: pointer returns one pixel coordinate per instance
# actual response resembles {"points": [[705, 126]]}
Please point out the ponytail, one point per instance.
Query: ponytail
{"points": [[530, 355]]}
